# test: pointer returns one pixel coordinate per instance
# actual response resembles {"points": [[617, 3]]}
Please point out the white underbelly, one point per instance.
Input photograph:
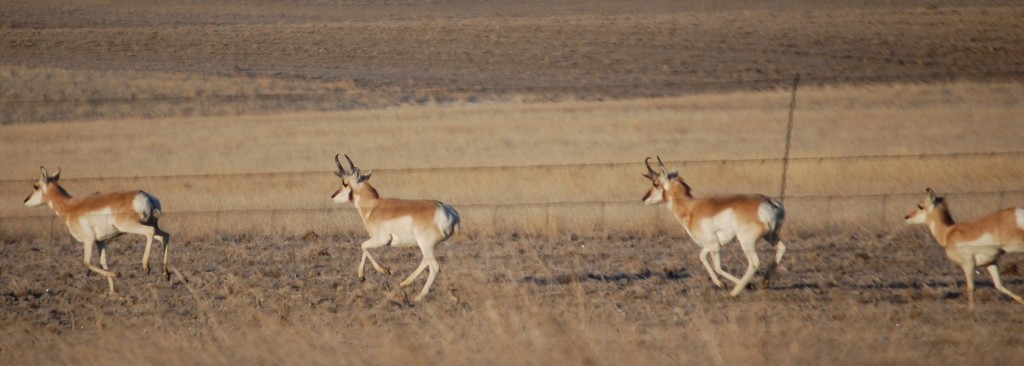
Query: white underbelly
{"points": [[98, 225], [399, 230], [717, 229], [104, 232], [403, 240]]}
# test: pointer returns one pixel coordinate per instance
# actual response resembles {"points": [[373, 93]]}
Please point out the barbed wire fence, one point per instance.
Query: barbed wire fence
{"points": [[445, 169], [807, 215]]}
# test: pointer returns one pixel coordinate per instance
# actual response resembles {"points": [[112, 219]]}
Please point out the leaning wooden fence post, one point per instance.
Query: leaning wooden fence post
{"points": [[789, 139]]}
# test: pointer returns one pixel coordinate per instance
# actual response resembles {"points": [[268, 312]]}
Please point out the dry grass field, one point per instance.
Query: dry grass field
{"points": [[532, 118], [128, 58]]}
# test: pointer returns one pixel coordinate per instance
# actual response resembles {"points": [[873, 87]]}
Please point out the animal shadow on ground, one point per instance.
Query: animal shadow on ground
{"points": [[564, 279], [904, 285]]}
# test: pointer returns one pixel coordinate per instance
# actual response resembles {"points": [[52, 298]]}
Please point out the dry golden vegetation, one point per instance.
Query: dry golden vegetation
{"points": [[532, 118], [513, 160], [509, 300], [527, 282], [355, 54]]}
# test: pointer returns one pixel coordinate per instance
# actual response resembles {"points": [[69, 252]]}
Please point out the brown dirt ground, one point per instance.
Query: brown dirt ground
{"points": [[467, 51], [838, 298], [510, 299]]}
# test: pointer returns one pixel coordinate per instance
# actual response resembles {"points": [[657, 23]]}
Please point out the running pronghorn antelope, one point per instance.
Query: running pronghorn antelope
{"points": [[396, 222], [973, 243], [99, 217], [714, 221]]}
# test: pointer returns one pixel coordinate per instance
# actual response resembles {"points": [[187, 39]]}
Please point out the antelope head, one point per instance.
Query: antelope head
{"points": [[925, 209], [45, 183], [661, 179], [351, 180]]}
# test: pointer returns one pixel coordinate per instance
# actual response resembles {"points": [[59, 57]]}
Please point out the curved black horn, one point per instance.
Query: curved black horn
{"points": [[341, 170], [353, 166], [662, 165], [650, 171]]}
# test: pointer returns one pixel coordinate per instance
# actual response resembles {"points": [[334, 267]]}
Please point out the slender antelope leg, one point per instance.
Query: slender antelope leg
{"points": [[968, 268], [145, 230], [103, 262], [428, 256], [752, 264], [362, 264], [716, 259], [165, 239], [88, 259], [370, 244], [704, 253], [380, 268], [416, 273], [779, 251], [993, 270], [148, 231]]}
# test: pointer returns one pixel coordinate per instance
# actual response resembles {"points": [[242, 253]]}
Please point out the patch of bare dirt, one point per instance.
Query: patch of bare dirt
{"points": [[455, 52], [224, 288]]}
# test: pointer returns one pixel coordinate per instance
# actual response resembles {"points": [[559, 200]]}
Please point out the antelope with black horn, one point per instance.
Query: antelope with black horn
{"points": [[396, 222], [714, 221]]}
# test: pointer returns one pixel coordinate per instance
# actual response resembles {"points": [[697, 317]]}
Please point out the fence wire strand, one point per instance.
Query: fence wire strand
{"points": [[443, 169]]}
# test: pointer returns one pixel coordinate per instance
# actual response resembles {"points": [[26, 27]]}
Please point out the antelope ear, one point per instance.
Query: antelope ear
{"points": [[55, 176], [673, 174], [42, 174], [932, 198], [365, 177]]}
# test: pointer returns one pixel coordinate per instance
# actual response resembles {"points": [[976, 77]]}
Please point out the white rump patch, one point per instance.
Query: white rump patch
{"points": [[771, 215], [1020, 217], [446, 219], [145, 206]]}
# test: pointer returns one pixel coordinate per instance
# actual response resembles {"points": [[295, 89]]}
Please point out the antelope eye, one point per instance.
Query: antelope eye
{"points": [[920, 207]]}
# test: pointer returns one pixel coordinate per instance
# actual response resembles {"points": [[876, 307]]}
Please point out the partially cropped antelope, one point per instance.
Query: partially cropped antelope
{"points": [[396, 222], [974, 243], [714, 221], [99, 217]]}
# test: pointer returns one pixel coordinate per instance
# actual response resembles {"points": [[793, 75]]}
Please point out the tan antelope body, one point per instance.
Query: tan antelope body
{"points": [[396, 222], [714, 221], [99, 217], [973, 244]]}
